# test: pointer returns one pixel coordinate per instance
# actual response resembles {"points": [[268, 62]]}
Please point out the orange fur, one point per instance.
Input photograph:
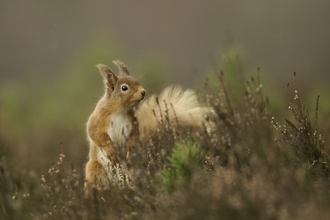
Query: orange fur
{"points": [[114, 119]]}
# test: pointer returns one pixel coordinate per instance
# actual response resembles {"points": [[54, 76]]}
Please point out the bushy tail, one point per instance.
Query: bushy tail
{"points": [[174, 106]]}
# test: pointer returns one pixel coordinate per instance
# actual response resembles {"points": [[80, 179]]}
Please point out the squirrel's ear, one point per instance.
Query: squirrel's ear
{"points": [[123, 70], [109, 77]]}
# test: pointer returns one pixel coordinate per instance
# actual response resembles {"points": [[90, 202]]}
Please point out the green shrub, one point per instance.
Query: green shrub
{"points": [[185, 158]]}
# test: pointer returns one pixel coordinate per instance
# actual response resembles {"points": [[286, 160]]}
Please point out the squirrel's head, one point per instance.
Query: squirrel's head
{"points": [[122, 89]]}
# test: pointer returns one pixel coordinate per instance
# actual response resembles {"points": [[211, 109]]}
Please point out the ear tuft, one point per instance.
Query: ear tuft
{"points": [[109, 77], [123, 70], [104, 70]]}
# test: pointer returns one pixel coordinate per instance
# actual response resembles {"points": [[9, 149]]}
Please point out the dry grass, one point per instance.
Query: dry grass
{"points": [[249, 167]]}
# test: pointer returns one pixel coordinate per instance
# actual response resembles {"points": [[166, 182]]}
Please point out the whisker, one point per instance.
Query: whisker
{"points": [[142, 75]]}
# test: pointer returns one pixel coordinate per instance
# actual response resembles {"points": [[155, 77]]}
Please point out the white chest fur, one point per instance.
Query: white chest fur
{"points": [[119, 128], [118, 131]]}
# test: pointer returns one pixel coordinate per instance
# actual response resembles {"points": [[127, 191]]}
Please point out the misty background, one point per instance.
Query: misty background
{"points": [[282, 36], [49, 49]]}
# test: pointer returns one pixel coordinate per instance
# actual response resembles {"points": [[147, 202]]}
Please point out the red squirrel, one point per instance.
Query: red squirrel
{"points": [[116, 116]]}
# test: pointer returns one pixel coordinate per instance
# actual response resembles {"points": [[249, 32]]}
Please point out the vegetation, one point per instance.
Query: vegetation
{"points": [[249, 166]]}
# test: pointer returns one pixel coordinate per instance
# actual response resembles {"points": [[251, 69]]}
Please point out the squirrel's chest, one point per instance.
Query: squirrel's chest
{"points": [[119, 128]]}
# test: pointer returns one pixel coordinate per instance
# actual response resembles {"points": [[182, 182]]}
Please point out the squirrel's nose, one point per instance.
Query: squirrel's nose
{"points": [[143, 93]]}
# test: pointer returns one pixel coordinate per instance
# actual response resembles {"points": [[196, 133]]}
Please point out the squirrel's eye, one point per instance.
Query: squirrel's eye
{"points": [[124, 88]]}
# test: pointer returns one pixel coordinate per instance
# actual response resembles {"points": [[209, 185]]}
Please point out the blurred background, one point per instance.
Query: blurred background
{"points": [[49, 84]]}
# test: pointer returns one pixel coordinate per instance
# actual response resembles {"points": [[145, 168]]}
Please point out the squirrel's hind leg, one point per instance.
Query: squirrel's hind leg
{"points": [[95, 177]]}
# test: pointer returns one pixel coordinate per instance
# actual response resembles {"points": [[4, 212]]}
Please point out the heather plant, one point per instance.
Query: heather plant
{"points": [[306, 140], [243, 165]]}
